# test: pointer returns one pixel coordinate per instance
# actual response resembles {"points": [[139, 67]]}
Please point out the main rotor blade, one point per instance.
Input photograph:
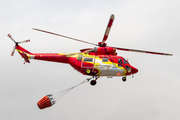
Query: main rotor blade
{"points": [[108, 29], [65, 36], [11, 38], [142, 51], [24, 41]]}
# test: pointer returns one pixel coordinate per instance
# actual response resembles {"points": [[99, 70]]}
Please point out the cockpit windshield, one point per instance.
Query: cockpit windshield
{"points": [[125, 62]]}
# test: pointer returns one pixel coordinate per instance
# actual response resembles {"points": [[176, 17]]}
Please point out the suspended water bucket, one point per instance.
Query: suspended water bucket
{"points": [[46, 101]]}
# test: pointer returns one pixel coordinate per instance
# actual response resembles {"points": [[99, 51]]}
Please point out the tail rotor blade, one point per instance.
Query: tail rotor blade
{"points": [[12, 53], [24, 41], [11, 38], [108, 29]]}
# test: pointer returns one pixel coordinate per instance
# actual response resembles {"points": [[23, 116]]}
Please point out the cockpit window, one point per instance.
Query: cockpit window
{"points": [[120, 61], [125, 62], [105, 60], [128, 69]]}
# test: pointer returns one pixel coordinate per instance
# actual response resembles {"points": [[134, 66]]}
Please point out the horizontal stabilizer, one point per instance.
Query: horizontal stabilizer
{"points": [[26, 60]]}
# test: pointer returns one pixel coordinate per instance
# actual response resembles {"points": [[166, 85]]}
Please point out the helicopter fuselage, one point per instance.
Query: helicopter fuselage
{"points": [[89, 62]]}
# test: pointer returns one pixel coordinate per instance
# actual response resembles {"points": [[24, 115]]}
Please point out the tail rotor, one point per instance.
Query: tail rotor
{"points": [[16, 43]]}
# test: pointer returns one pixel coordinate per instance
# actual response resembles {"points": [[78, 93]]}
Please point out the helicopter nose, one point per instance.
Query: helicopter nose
{"points": [[134, 70]]}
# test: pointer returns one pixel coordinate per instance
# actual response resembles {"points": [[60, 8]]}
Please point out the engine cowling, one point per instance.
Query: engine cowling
{"points": [[106, 50], [100, 51]]}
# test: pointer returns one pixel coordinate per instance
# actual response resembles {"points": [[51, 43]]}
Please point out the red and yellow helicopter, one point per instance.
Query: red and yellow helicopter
{"points": [[96, 62]]}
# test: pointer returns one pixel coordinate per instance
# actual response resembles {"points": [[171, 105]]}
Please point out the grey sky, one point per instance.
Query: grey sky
{"points": [[148, 25]]}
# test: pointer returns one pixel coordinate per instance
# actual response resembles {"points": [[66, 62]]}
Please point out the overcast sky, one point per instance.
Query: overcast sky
{"points": [[152, 94]]}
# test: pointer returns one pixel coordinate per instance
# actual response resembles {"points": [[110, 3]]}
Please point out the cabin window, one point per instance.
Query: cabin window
{"points": [[105, 60], [88, 59], [79, 58]]}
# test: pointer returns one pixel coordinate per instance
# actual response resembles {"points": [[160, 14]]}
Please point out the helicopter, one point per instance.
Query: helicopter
{"points": [[96, 62]]}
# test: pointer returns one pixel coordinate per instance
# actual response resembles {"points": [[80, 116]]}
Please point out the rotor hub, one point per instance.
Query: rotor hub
{"points": [[103, 45]]}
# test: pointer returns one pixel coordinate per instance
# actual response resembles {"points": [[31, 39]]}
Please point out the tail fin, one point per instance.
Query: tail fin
{"points": [[24, 53], [22, 50]]}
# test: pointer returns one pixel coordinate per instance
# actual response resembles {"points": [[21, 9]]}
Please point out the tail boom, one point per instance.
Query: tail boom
{"points": [[53, 57]]}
